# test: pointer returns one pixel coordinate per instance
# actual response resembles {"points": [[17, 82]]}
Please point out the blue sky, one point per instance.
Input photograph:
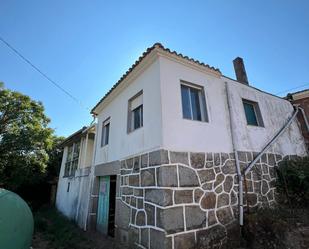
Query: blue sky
{"points": [[87, 45]]}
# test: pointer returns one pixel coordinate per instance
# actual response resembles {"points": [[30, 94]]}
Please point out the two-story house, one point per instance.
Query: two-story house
{"points": [[172, 135]]}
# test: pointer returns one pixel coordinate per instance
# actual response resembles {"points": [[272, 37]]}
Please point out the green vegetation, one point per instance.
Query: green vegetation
{"points": [[293, 181], [29, 152], [285, 225]]}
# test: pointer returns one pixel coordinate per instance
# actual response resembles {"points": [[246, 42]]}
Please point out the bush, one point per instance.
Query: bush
{"points": [[293, 181]]}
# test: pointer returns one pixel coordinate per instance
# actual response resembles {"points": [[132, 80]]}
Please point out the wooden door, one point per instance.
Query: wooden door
{"points": [[103, 204]]}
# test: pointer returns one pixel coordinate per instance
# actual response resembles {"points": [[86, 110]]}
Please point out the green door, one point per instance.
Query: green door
{"points": [[103, 204]]}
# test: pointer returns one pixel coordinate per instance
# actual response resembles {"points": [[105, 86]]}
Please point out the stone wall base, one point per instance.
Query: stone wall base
{"points": [[187, 200]]}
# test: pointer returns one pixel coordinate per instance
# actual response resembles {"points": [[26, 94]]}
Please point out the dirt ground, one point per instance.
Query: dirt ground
{"points": [[96, 241], [53, 231]]}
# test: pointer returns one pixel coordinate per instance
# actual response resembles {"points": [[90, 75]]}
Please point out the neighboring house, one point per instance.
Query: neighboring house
{"points": [[169, 137], [301, 98], [73, 192]]}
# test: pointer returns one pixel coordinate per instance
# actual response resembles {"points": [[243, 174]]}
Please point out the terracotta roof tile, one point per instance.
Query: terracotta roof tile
{"points": [[156, 45]]}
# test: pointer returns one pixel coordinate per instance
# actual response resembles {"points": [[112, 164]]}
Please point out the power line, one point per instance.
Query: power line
{"points": [[69, 94], [291, 89], [42, 73]]}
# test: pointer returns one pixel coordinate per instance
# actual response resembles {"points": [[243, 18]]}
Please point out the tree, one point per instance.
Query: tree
{"points": [[25, 139], [55, 156]]}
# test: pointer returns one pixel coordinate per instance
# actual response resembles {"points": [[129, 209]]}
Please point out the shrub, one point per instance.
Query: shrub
{"points": [[293, 181]]}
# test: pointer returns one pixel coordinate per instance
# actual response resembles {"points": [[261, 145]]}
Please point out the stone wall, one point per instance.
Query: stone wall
{"points": [[187, 200]]}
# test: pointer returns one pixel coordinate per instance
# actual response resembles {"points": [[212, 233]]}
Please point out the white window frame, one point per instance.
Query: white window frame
{"points": [[130, 121], [103, 135], [202, 101], [68, 166]]}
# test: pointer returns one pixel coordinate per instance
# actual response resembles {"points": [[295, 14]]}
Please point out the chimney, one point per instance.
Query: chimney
{"points": [[240, 71]]}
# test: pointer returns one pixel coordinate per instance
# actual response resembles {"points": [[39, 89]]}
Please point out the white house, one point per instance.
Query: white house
{"points": [[171, 137]]}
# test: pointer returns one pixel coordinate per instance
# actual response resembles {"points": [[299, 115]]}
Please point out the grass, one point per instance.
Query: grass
{"points": [[55, 231]]}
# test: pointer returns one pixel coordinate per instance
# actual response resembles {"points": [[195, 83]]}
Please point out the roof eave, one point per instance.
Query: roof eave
{"points": [[155, 49]]}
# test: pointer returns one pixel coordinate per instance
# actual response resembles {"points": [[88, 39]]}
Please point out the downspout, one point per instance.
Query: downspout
{"points": [[305, 117], [239, 175], [91, 173]]}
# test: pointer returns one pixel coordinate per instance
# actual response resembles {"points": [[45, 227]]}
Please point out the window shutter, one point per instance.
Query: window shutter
{"points": [[136, 102]]}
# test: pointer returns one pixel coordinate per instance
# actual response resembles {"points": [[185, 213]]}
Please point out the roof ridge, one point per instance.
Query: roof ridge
{"points": [[144, 54]]}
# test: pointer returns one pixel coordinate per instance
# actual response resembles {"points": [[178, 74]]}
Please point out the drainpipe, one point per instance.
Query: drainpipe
{"points": [[91, 173], [239, 175], [305, 117]]}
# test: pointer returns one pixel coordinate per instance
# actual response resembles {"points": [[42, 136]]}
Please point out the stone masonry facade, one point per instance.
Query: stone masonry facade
{"points": [[187, 200]]}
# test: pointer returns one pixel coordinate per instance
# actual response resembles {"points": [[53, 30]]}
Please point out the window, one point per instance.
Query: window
{"points": [[72, 159], [68, 161], [253, 113], [193, 103], [75, 158], [105, 132], [135, 112]]}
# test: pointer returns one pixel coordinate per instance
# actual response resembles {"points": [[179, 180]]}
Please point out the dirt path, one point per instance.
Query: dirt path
{"points": [[95, 241], [54, 231]]}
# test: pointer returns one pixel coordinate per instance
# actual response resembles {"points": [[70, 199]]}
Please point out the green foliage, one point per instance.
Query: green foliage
{"points": [[25, 140], [293, 181], [55, 157]]}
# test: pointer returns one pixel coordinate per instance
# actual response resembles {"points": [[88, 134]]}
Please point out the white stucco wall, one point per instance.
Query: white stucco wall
{"points": [[122, 144], [73, 203], [64, 199], [215, 136], [164, 126], [89, 153], [188, 135], [275, 113]]}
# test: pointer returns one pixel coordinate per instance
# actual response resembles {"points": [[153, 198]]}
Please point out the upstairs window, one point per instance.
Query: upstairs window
{"points": [[135, 112], [253, 113], [105, 132], [75, 157], [68, 161], [193, 102], [72, 160]]}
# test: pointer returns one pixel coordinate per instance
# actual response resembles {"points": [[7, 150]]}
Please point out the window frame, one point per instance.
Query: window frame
{"points": [[105, 123], [202, 101], [257, 112], [69, 169], [131, 116]]}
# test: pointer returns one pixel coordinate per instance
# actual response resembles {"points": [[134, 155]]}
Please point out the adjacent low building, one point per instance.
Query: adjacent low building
{"points": [[170, 136], [73, 191]]}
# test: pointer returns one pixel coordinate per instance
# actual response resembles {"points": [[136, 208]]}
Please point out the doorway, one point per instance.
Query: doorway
{"points": [[106, 205]]}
